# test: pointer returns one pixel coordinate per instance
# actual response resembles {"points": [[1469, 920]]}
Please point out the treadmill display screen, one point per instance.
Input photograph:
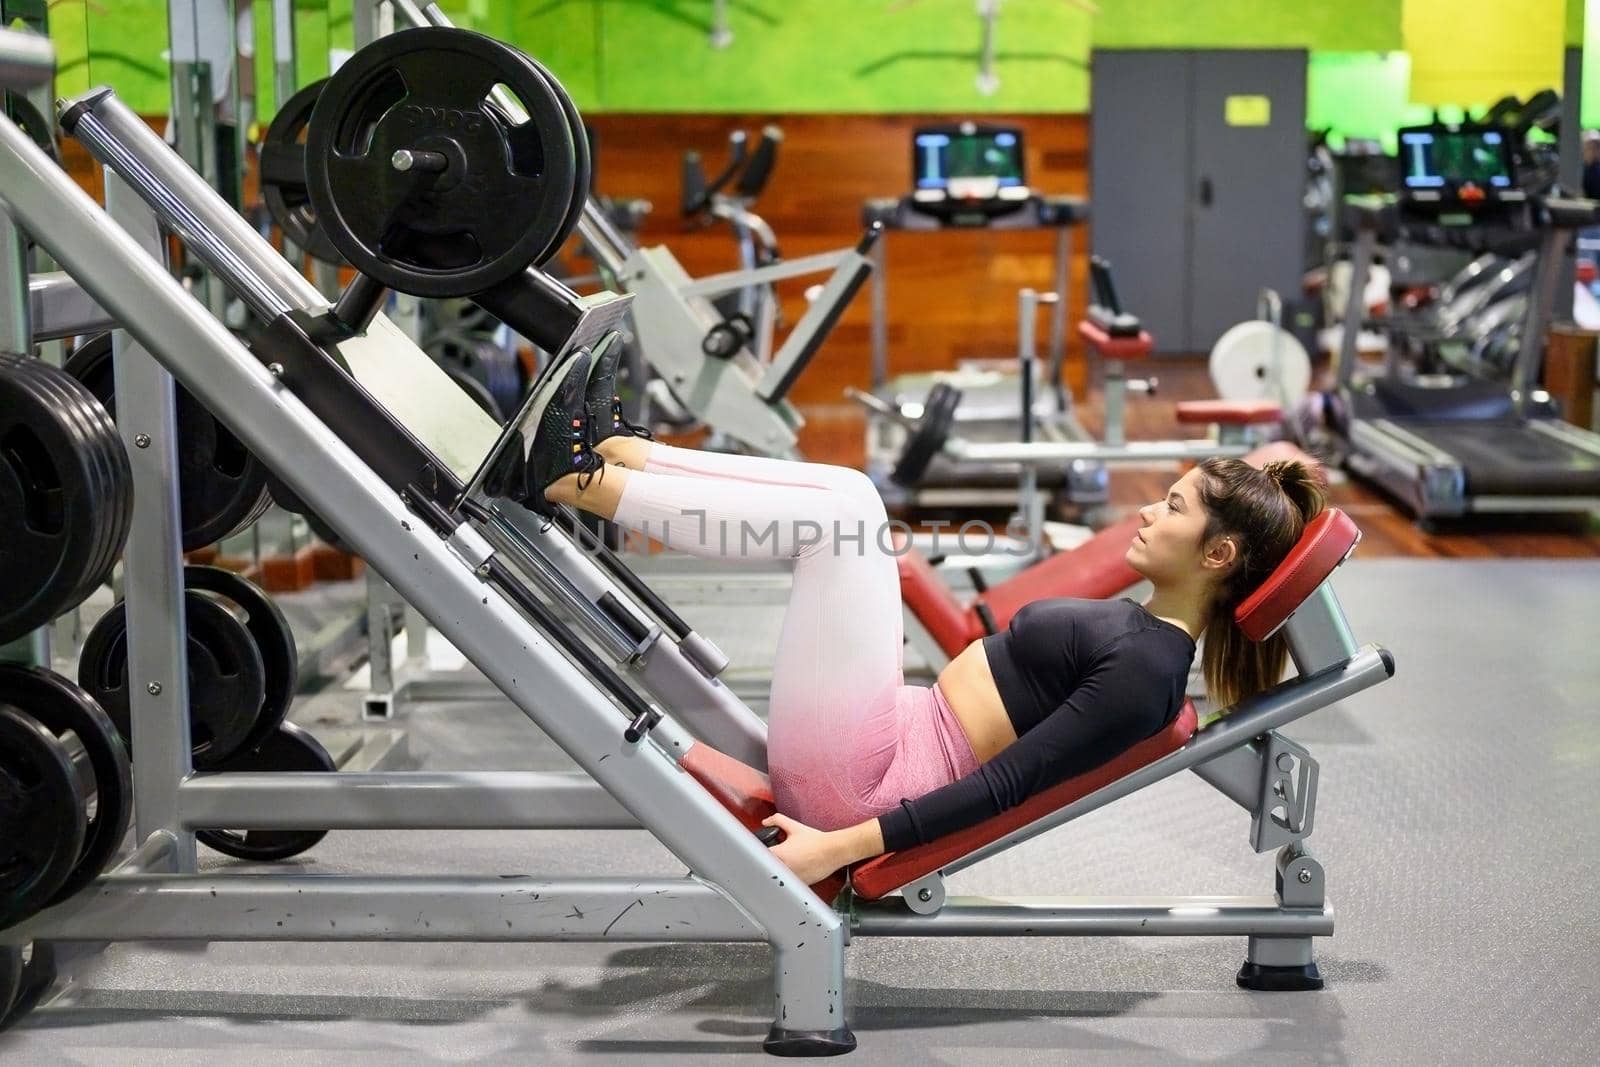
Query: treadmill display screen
{"points": [[945, 154], [1447, 158]]}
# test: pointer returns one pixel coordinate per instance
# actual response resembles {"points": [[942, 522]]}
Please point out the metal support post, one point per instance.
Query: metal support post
{"points": [[880, 314], [158, 674]]}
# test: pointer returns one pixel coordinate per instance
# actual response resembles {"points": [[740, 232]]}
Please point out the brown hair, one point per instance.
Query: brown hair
{"points": [[1264, 510]]}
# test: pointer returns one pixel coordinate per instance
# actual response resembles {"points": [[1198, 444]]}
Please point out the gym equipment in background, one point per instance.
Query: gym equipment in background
{"points": [[1447, 445], [66, 496]]}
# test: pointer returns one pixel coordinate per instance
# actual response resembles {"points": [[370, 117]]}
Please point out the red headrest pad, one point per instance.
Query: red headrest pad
{"points": [[1325, 543]]}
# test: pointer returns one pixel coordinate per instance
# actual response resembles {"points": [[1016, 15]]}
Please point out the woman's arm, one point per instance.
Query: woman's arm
{"points": [[814, 854]]}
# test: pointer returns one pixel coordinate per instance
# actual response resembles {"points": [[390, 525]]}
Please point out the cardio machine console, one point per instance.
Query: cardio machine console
{"points": [[966, 174], [1465, 170]]}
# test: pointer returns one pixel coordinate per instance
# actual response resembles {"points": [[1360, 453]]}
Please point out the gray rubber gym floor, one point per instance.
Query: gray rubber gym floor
{"points": [[1457, 819]]}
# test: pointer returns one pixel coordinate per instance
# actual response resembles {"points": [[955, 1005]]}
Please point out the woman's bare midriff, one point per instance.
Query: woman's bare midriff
{"points": [[968, 686]]}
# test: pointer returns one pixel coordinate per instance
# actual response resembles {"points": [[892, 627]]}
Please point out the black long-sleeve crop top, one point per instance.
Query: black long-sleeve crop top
{"points": [[1082, 681]]}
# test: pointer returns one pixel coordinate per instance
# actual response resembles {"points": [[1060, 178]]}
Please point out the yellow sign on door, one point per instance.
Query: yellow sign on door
{"points": [[1247, 111]]}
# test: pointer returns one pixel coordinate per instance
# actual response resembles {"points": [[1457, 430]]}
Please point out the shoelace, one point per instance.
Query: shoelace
{"points": [[620, 423]]}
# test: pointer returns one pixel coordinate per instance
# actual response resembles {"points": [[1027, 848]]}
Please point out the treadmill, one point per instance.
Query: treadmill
{"points": [[1452, 445], [969, 175]]}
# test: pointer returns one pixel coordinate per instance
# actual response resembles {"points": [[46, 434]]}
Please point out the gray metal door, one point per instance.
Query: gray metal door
{"points": [[1247, 166], [1139, 184]]}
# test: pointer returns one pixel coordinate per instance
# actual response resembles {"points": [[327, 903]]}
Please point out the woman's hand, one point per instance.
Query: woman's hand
{"points": [[811, 854]]}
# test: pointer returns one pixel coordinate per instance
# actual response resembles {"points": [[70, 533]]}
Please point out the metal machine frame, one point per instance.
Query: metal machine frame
{"points": [[631, 774]]}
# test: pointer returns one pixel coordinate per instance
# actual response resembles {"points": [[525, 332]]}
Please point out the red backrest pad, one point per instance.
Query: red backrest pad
{"points": [[883, 874], [1324, 544]]}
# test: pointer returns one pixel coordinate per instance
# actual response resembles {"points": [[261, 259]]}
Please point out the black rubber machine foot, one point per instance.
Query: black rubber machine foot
{"points": [[1268, 979], [836, 1042]]}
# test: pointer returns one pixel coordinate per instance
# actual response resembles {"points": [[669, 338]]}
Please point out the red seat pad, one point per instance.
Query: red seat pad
{"points": [[1230, 412], [884, 874], [1325, 543], [1093, 570], [951, 623], [1115, 347], [745, 792]]}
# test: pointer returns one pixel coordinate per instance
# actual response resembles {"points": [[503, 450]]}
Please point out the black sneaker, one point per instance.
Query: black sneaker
{"points": [[601, 400], [561, 439]]}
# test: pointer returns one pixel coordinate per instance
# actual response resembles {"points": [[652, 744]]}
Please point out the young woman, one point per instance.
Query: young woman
{"points": [[862, 763]]}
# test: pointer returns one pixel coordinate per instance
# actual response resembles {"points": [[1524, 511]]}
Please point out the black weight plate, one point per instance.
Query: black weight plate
{"points": [[42, 817], [280, 660], [504, 194], [938, 415], [283, 175], [114, 476], [33, 123], [289, 749], [221, 484], [52, 530], [227, 682], [477, 391], [108, 479], [459, 315], [62, 707], [33, 979], [583, 164], [290, 502], [68, 402]]}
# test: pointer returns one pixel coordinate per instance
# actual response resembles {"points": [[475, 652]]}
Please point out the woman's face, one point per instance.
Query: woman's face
{"points": [[1168, 545]]}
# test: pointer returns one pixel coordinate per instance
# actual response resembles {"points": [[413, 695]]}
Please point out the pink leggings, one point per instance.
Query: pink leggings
{"points": [[846, 738]]}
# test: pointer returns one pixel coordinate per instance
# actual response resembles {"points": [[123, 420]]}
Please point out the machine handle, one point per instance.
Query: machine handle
{"points": [[696, 184], [756, 175], [1205, 192]]}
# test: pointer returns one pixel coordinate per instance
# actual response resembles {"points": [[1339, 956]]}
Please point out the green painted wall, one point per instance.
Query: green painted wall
{"points": [[833, 55], [820, 55]]}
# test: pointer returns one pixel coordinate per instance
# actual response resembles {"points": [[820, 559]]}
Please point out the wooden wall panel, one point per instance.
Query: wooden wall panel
{"points": [[952, 294]]}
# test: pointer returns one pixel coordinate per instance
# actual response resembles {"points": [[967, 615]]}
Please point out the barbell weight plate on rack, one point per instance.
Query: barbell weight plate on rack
{"points": [[222, 487], [280, 658], [289, 748], [62, 707], [289, 501], [1256, 360], [114, 490], [33, 978], [927, 441], [227, 683], [113, 497], [63, 511], [503, 194], [107, 488], [283, 175], [42, 815]]}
